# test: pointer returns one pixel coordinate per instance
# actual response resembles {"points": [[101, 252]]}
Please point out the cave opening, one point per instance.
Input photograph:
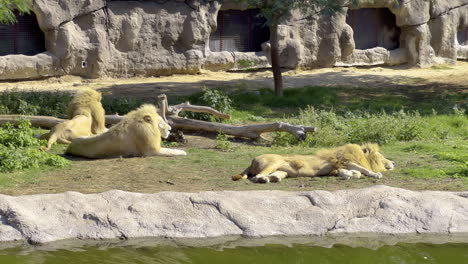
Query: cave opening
{"points": [[239, 30], [462, 36], [374, 27], [23, 37]]}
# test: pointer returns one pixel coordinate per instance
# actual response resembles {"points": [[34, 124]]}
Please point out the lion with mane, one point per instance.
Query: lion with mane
{"points": [[137, 134], [348, 161], [86, 118]]}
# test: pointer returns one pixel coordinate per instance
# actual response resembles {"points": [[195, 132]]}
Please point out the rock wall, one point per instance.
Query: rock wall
{"points": [[96, 38], [117, 214]]}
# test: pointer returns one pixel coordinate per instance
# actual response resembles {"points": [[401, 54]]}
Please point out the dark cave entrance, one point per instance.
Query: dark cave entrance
{"points": [[462, 36], [374, 27], [238, 30], [24, 37]]}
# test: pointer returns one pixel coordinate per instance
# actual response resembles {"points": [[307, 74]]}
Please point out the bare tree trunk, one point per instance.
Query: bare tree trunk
{"points": [[275, 64], [171, 114]]}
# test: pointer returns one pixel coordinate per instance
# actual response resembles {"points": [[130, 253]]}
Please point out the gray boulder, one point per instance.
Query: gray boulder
{"points": [[118, 214]]}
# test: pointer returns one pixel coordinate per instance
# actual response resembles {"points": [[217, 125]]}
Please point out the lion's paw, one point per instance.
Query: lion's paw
{"points": [[261, 179], [179, 152], [344, 174], [377, 175], [355, 174], [274, 178]]}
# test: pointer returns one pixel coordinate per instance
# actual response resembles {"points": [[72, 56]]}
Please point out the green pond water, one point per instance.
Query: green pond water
{"points": [[400, 253]]}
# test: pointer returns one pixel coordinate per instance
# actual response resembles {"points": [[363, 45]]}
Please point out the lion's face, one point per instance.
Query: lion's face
{"points": [[377, 161], [163, 127]]}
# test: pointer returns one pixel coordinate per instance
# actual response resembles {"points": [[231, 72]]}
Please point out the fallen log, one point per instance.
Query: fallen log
{"points": [[36, 121], [171, 114]]}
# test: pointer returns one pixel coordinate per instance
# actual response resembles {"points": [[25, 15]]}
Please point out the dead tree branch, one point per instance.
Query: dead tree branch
{"points": [[171, 114]]}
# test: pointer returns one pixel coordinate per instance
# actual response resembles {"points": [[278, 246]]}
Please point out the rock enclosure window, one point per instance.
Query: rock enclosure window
{"points": [[238, 30], [23, 37], [374, 27], [462, 36]]}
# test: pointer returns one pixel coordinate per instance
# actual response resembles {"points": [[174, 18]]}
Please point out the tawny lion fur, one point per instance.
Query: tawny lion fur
{"points": [[86, 116], [137, 134], [348, 161]]}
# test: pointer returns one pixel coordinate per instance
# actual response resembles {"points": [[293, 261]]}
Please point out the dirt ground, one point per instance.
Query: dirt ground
{"points": [[453, 76], [208, 169]]}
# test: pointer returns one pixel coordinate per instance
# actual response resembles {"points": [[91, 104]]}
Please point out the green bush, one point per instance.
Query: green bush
{"points": [[19, 149], [223, 143], [359, 127], [120, 105], [213, 98], [12, 159], [55, 103], [34, 103], [18, 136]]}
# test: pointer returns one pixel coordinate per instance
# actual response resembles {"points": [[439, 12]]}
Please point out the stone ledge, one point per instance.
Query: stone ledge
{"points": [[117, 214]]}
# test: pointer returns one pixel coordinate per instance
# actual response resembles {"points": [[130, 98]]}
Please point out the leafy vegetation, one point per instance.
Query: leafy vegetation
{"points": [[214, 98], [19, 149], [223, 143], [382, 128], [246, 64], [7, 8], [34, 103]]}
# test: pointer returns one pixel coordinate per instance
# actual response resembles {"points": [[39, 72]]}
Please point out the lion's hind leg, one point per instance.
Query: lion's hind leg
{"points": [[264, 175], [241, 176], [277, 176]]}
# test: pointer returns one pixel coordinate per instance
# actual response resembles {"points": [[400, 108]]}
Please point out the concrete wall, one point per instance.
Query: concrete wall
{"points": [[147, 38]]}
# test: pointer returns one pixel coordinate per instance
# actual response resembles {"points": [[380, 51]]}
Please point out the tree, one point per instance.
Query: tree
{"points": [[7, 8], [276, 11]]}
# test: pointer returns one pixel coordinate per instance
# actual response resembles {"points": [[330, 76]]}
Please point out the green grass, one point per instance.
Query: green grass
{"points": [[441, 67], [432, 160], [261, 102]]}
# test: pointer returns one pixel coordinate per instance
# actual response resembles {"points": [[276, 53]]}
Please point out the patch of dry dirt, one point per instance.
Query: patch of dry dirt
{"points": [[453, 76]]}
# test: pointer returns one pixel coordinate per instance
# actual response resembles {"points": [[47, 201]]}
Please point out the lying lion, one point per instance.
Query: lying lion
{"points": [[348, 161], [137, 134], [86, 116]]}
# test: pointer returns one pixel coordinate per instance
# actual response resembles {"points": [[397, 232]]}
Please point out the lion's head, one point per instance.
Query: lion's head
{"points": [[145, 122], [163, 127], [377, 162], [366, 155]]}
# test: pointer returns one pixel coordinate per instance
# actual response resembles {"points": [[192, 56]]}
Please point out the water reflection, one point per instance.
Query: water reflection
{"points": [[271, 254]]}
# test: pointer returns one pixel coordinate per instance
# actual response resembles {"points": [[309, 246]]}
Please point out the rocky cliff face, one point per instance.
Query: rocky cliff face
{"points": [[117, 214], [96, 38]]}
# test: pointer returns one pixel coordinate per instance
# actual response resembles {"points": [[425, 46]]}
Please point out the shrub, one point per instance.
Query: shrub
{"points": [[212, 98], [358, 127], [119, 105], [19, 149], [222, 142], [12, 159], [55, 103], [18, 136], [34, 103]]}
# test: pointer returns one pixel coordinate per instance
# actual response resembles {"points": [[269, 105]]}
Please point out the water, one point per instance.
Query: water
{"points": [[401, 253]]}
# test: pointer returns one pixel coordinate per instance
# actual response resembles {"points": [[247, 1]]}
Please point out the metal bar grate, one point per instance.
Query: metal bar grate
{"points": [[238, 30], [23, 37]]}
